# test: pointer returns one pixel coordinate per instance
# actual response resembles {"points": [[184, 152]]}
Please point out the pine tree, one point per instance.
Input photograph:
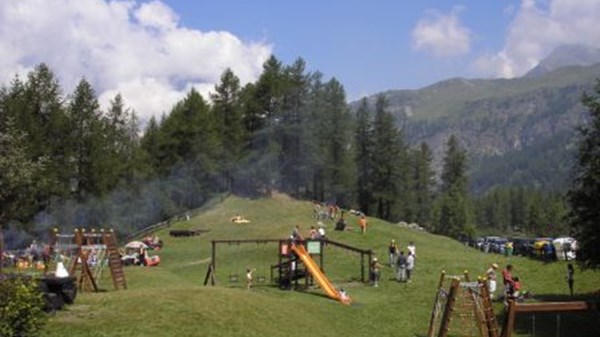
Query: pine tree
{"points": [[290, 129], [19, 172], [584, 215], [364, 149], [454, 203], [227, 108], [423, 185], [389, 160], [91, 170]]}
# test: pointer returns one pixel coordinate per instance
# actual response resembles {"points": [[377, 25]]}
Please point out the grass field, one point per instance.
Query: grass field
{"points": [[170, 299]]}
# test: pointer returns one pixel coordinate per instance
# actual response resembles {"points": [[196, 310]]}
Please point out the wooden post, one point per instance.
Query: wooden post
{"points": [[443, 332], [1, 248], [434, 313], [509, 320], [488, 310]]}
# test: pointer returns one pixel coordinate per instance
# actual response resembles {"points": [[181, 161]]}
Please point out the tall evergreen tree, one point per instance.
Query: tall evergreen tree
{"points": [[584, 216], [454, 203], [227, 108], [91, 171], [389, 159], [293, 119], [19, 173], [262, 107], [364, 149], [423, 185]]}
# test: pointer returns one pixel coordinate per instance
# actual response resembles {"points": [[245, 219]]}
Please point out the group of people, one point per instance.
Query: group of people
{"points": [[153, 242], [512, 285], [404, 264], [313, 234]]}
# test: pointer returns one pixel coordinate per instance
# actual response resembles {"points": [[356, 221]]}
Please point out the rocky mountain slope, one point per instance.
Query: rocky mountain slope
{"points": [[518, 132]]}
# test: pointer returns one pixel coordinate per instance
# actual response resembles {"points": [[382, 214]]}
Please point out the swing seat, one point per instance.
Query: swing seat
{"points": [[233, 278]]}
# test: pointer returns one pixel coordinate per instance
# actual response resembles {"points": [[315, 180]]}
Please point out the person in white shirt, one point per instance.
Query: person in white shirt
{"points": [[410, 265]]}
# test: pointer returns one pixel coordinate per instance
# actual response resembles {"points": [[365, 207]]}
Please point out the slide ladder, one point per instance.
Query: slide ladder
{"points": [[318, 275]]}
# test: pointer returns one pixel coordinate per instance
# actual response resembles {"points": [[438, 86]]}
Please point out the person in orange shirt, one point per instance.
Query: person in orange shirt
{"points": [[362, 222]]}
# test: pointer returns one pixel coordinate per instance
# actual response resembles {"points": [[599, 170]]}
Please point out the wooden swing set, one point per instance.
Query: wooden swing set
{"points": [[100, 246], [465, 309]]}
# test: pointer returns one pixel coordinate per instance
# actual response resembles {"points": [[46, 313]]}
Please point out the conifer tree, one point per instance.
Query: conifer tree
{"points": [[227, 108], [364, 149], [90, 174], [584, 215], [454, 203], [423, 185], [387, 158]]}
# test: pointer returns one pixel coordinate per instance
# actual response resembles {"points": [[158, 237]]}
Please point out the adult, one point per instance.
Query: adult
{"points": [[570, 278], [401, 267], [491, 278], [321, 231], [412, 249], [340, 225], [507, 280], [393, 252], [410, 265], [296, 236]]}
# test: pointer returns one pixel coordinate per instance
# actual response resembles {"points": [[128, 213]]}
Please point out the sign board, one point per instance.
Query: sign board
{"points": [[313, 247], [285, 249]]}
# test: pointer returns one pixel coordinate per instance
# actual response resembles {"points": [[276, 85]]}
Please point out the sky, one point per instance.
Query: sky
{"points": [[154, 52]]}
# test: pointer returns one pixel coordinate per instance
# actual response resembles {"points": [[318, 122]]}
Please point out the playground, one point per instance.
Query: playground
{"points": [[176, 289]]}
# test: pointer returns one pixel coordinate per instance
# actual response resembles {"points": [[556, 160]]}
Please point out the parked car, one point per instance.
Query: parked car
{"points": [[498, 244], [523, 246]]}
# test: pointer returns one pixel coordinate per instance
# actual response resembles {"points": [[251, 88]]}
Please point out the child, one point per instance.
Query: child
{"points": [[344, 298], [516, 288], [375, 272], [249, 277]]}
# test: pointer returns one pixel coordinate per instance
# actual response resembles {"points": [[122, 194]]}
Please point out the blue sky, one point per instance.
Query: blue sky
{"points": [[367, 45], [154, 51]]}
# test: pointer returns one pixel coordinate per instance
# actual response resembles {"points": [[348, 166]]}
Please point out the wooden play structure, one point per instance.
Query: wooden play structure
{"points": [[542, 307], [465, 309], [86, 253], [279, 271], [300, 264]]}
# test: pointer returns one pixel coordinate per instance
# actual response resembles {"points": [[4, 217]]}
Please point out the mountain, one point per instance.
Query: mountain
{"points": [[518, 132], [566, 55]]}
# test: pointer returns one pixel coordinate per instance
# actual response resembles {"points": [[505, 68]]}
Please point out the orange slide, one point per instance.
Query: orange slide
{"points": [[318, 275]]}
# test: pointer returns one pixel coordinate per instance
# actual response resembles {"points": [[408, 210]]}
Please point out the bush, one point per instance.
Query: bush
{"points": [[21, 307]]}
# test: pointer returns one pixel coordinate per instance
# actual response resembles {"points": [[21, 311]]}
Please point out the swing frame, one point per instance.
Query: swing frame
{"points": [[515, 308]]}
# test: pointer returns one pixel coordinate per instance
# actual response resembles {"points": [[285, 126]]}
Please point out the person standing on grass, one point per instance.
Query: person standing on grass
{"points": [[249, 277], [410, 265], [375, 272], [362, 222], [393, 252], [491, 278], [412, 249], [507, 280], [570, 279], [401, 267]]}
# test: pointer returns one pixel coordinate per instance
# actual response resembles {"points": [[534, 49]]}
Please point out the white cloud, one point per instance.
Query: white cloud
{"points": [[537, 28], [442, 35], [140, 50]]}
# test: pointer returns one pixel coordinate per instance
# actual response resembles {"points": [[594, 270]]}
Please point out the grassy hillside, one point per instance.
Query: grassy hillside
{"points": [[169, 300]]}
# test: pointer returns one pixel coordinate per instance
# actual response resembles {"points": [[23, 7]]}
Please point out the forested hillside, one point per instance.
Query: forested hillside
{"points": [[65, 161], [518, 132]]}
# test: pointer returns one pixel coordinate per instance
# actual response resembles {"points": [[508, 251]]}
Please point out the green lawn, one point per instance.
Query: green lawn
{"points": [[170, 300]]}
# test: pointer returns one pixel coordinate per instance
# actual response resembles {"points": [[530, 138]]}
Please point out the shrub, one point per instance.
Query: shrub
{"points": [[21, 307]]}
